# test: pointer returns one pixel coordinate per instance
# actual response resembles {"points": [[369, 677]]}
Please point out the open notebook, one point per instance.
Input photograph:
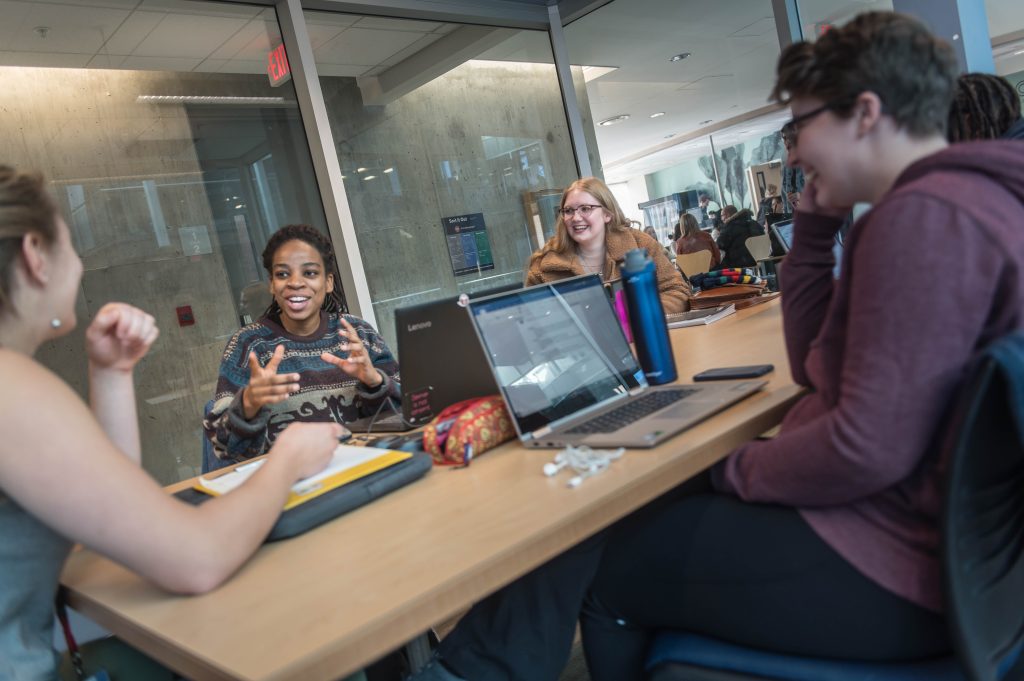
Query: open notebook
{"points": [[348, 464]]}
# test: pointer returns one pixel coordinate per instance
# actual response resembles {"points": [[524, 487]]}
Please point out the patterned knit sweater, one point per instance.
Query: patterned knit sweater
{"points": [[326, 393]]}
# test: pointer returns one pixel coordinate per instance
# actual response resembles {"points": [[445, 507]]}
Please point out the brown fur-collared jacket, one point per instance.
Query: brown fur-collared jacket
{"points": [[673, 290]]}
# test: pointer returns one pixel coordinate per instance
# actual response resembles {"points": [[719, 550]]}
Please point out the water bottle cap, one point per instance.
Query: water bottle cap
{"points": [[636, 259]]}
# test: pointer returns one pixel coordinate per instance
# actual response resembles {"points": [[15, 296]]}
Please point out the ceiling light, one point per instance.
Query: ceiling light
{"points": [[360, 169], [614, 119], [389, 170], [204, 99], [370, 177], [658, 114], [679, 57]]}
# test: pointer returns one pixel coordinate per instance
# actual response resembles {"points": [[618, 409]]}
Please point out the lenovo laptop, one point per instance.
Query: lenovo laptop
{"points": [[568, 376], [441, 363]]}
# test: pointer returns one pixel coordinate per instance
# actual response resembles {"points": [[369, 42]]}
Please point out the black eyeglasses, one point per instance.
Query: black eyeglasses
{"points": [[791, 130], [584, 210]]}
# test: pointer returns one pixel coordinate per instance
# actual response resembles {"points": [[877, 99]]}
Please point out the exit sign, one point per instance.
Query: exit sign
{"points": [[278, 70]]}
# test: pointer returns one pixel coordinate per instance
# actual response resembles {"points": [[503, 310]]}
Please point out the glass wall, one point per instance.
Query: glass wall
{"points": [[659, 74], [1006, 26], [173, 157], [454, 150]]}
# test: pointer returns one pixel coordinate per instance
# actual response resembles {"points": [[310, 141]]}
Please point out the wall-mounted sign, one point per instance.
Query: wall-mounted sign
{"points": [[468, 245], [278, 70], [195, 240]]}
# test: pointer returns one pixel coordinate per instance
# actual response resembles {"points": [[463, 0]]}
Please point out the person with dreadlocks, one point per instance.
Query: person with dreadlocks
{"points": [[306, 359], [985, 107]]}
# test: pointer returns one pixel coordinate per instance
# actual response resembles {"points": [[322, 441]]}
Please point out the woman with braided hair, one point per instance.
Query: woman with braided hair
{"points": [[305, 359], [984, 107]]}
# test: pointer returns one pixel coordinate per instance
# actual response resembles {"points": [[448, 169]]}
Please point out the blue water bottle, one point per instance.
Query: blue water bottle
{"points": [[647, 318]]}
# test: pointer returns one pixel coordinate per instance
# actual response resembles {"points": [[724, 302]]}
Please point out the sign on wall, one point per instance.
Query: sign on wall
{"points": [[279, 71], [468, 245]]}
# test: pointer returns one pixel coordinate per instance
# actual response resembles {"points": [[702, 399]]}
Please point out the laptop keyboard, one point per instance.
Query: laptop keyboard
{"points": [[636, 409]]}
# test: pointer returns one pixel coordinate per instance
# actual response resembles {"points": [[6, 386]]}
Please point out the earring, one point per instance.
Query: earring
{"points": [[55, 323]]}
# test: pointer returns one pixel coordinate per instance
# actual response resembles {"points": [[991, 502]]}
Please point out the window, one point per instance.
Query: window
{"points": [[173, 158]]}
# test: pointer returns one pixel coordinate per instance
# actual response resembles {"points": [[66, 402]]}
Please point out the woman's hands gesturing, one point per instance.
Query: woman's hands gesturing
{"points": [[119, 336], [357, 364], [266, 386]]}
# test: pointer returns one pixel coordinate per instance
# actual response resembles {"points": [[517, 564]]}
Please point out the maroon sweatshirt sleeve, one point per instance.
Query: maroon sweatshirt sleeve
{"points": [[807, 284], [910, 324]]}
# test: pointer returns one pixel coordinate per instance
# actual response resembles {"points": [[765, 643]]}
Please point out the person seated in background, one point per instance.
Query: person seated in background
{"points": [[985, 107], [592, 235], [824, 540], [693, 239], [767, 204], [68, 474], [738, 226], [709, 210], [305, 359], [792, 177]]}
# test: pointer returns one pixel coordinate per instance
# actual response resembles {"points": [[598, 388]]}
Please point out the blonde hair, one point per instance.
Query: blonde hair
{"points": [[688, 225], [562, 243], [25, 208]]}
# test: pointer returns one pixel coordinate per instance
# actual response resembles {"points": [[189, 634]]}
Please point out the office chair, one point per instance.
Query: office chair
{"points": [[692, 264], [210, 461], [982, 556]]}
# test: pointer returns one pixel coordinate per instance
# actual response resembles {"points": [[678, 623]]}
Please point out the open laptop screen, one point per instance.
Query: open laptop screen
{"points": [[784, 232], [556, 350]]}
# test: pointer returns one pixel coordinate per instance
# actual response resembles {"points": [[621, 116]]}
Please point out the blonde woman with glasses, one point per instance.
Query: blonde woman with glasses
{"points": [[592, 236]]}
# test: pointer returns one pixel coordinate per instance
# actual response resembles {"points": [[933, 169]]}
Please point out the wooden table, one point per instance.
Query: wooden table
{"points": [[326, 603]]}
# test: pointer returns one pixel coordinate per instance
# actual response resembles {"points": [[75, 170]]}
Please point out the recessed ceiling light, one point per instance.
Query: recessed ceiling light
{"points": [[657, 114], [360, 170], [679, 57], [706, 122], [389, 170], [614, 119]]}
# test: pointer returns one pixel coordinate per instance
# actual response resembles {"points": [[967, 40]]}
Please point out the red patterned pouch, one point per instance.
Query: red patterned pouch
{"points": [[467, 429]]}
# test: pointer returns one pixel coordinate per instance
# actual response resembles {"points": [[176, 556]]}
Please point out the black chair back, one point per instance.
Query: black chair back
{"points": [[983, 547]]}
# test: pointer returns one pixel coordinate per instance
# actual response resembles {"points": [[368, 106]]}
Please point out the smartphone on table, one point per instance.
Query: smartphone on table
{"points": [[734, 373]]}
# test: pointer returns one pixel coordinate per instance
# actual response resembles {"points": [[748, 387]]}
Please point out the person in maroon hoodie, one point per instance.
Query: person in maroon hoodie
{"points": [[824, 540]]}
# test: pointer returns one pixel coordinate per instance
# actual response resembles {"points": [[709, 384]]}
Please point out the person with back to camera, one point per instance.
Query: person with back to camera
{"points": [[693, 239], [732, 238], [305, 359], [592, 235], [70, 475], [985, 107], [824, 541]]}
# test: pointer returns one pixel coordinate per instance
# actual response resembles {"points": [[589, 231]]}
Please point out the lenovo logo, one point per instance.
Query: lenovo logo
{"points": [[417, 327]]}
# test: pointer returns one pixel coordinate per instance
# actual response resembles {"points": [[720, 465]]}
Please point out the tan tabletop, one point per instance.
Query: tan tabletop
{"points": [[328, 602]]}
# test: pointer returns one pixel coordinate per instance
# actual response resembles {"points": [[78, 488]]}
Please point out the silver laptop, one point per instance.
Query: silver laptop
{"points": [[568, 375]]}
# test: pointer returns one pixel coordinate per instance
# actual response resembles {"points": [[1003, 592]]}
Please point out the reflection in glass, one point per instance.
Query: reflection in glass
{"points": [[450, 138], [173, 159]]}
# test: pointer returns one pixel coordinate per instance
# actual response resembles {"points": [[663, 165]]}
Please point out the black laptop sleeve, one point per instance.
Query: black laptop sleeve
{"points": [[338, 501]]}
